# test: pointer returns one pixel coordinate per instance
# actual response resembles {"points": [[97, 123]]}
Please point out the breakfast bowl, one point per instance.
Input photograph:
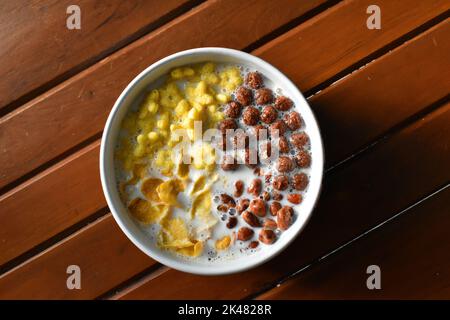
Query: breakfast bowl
{"points": [[153, 241]]}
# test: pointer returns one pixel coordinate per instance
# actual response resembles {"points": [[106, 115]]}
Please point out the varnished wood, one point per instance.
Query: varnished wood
{"points": [[411, 252]]}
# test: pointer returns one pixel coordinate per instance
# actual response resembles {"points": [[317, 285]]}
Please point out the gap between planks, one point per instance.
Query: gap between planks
{"points": [[41, 89], [348, 243]]}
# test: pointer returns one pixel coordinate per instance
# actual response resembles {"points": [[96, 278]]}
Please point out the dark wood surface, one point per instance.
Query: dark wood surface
{"points": [[380, 96]]}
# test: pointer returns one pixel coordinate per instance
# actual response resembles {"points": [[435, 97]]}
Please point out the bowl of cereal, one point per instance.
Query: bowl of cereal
{"points": [[211, 161]]}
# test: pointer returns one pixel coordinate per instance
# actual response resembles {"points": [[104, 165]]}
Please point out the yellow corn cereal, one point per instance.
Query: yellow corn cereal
{"points": [[223, 243]]}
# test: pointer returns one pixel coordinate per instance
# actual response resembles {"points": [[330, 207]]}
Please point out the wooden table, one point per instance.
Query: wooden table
{"points": [[380, 96]]}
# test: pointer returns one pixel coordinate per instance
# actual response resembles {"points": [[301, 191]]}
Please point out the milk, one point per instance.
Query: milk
{"points": [[224, 184]]}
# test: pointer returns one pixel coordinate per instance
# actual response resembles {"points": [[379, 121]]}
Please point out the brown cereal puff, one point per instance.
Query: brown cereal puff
{"points": [[303, 159], [254, 80], [233, 109], [243, 95], [269, 114], [283, 145], [277, 196], [226, 124], [255, 187], [251, 158], [285, 217], [258, 207], [238, 188], [229, 163], [300, 181], [244, 234], [251, 219], [299, 140], [274, 207], [250, 116], [267, 236], [295, 198], [280, 182], [242, 205], [264, 96], [278, 125], [283, 103], [253, 244], [293, 120], [285, 164]]}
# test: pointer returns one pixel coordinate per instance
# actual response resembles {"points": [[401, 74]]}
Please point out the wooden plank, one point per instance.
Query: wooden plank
{"points": [[411, 251], [50, 202], [37, 47], [389, 178], [77, 109], [105, 261], [329, 43]]}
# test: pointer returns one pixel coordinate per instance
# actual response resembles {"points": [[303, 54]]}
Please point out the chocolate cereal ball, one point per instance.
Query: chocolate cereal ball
{"points": [[263, 96], [278, 125], [293, 120], [300, 181], [283, 103], [285, 164], [226, 124], [233, 109], [303, 159], [299, 139], [243, 95], [254, 80], [269, 114], [251, 116], [280, 182], [283, 145]]}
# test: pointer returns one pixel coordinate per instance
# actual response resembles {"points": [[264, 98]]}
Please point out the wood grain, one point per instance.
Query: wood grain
{"points": [[105, 261], [411, 251], [329, 43], [77, 109], [393, 175], [50, 202], [37, 47]]}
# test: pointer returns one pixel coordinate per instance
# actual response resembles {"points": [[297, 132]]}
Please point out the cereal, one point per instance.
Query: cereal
{"points": [[198, 208], [269, 114], [258, 207], [245, 234], [244, 96], [251, 219], [300, 181], [251, 116], [299, 140], [267, 236], [264, 96], [294, 198], [274, 207], [283, 103], [303, 159], [233, 110]]}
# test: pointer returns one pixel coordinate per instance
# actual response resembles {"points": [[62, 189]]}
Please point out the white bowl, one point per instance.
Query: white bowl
{"points": [[109, 139]]}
